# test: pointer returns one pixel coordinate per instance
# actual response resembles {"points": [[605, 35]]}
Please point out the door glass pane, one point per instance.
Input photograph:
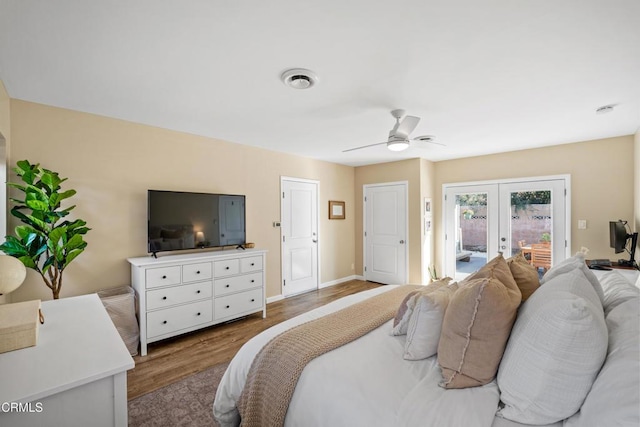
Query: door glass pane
{"points": [[531, 227], [471, 233]]}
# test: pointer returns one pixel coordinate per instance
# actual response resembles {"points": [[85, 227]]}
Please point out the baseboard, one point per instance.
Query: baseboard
{"points": [[274, 298], [321, 286], [336, 282]]}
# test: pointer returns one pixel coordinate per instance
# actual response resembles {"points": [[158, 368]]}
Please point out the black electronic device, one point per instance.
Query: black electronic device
{"points": [[183, 220], [618, 238], [599, 263], [599, 267]]}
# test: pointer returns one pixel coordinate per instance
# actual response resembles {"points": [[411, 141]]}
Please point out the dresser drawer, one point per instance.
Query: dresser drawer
{"points": [[163, 276], [226, 267], [160, 298], [249, 264], [196, 272], [234, 304], [173, 319], [234, 284]]}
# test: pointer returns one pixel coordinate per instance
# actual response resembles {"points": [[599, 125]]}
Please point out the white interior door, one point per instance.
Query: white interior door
{"points": [[299, 228], [508, 216], [385, 233]]}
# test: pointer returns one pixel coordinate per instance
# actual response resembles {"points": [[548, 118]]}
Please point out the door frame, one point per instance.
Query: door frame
{"points": [[364, 225], [567, 220], [282, 254]]}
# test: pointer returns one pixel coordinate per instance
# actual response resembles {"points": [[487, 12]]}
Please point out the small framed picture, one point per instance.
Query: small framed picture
{"points": [[427, 206], [336, 210]]}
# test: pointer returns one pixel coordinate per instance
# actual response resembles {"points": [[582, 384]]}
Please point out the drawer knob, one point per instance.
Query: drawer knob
{"points": [[252, 264], [226, 268], [253, 300], [164, 277], [198, 291], [228, 306], [198, 272], [226, 286], [198, 314], [252, 281], [164, 297], [164, 322]]}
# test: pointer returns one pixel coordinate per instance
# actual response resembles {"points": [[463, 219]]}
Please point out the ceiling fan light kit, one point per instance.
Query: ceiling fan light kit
{"points": [[398, 145], [299, 78]]}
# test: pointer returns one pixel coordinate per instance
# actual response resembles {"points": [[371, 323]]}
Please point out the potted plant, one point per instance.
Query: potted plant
{"points": [[44, 243], [433, 274], [545, 238]]}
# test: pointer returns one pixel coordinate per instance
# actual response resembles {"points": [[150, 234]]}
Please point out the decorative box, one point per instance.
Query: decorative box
{"points": [[19, 325]]}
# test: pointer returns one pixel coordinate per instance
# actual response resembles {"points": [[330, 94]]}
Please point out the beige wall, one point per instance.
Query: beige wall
{"points": [[111, 163], [406, 170], [428, 191], [601, 172]]}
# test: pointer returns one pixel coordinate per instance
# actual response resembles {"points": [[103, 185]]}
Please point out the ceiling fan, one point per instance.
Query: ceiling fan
{"points": [[399, 135]]}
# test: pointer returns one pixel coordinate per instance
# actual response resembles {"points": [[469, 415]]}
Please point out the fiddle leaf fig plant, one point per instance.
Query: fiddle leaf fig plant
{"points": [[45, 243]]}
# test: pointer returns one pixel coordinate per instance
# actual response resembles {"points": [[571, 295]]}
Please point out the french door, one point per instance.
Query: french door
{"points": [[529, 215]]}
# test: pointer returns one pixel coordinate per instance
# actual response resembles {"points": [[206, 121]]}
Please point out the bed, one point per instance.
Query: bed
{"points": [[369, 382]]}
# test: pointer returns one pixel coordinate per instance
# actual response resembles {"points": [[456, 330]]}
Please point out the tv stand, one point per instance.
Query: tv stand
{"points": [[185, 292]]}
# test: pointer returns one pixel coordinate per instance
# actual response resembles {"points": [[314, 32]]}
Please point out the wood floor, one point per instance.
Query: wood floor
{"points": [[170, 360]]}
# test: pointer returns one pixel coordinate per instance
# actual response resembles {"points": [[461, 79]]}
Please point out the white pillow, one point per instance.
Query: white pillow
{"points": [[425, 324], [555, 350], [401, 320], [614, 399], [616, 290], [575, 262]]}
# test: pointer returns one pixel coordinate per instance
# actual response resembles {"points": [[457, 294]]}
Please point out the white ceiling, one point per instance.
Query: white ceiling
{"points": [[484, 76]]}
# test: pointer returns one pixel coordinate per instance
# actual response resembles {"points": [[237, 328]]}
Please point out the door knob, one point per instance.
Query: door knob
{"points": [[402, 242], [315, 241]]}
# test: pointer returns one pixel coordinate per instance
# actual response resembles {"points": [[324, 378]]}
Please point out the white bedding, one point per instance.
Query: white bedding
{"points": [[349, 387]]}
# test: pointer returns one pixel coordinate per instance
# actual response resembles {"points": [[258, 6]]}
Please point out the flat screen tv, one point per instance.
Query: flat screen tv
{"points": [[618, 238], [182, 220]]}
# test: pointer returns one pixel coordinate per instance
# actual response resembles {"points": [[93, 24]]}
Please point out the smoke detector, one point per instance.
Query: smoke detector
{"points": [[299, 78]]}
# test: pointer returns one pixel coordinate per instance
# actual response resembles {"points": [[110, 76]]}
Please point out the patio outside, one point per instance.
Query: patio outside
{"points": [[530, 226]]}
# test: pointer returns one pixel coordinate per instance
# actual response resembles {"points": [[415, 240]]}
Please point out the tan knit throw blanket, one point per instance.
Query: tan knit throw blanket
{"points": [[277, 367]]}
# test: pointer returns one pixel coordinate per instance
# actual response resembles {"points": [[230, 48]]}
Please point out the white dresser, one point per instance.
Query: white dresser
{"points": [[182, 293], [75, 376]]}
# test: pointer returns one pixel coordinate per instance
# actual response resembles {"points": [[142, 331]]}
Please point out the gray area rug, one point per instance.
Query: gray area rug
{"points": [[188, 402]]}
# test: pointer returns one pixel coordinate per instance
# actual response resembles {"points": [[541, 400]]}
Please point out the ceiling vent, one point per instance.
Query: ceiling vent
{"points": [[605, 109], [299, 78]]}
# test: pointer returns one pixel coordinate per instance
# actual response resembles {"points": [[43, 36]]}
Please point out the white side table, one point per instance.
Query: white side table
{"points": [[75, 376]]}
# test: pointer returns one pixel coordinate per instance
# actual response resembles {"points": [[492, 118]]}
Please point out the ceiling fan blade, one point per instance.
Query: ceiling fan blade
{"points": [[407, 125], [364, 146], [425, 144]]}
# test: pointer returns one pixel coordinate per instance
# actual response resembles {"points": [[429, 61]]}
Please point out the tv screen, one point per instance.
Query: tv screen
{"points": [[183, 220], [618, 235]]}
